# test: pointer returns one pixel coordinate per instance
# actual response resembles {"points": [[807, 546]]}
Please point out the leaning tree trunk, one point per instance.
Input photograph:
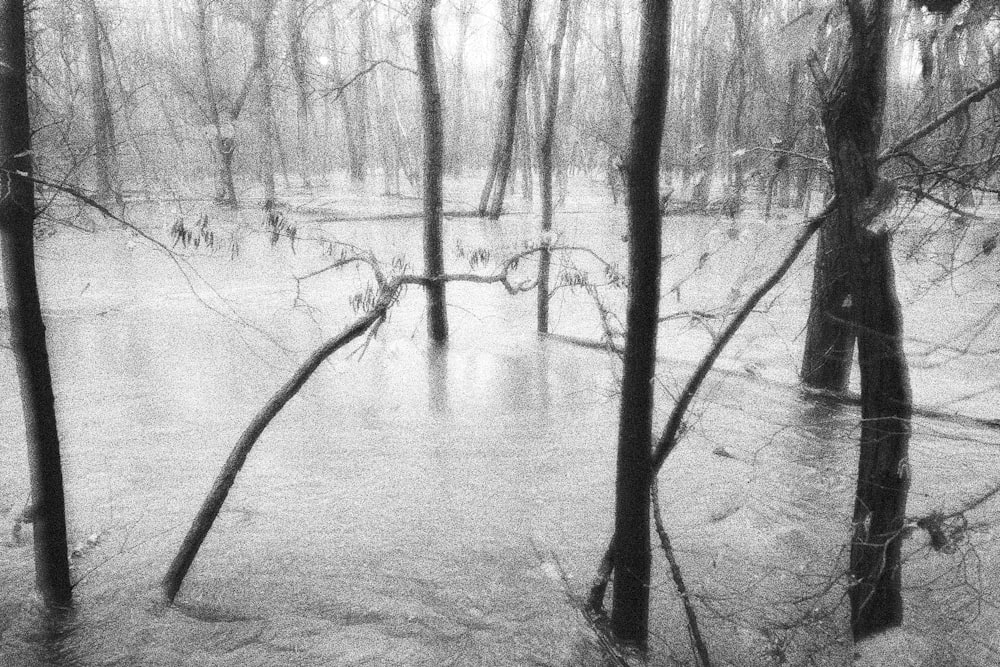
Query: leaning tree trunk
{"points": [[545, 165], [27, 330], [630, 605], [498, 171], [430, 96], [853, 110]]}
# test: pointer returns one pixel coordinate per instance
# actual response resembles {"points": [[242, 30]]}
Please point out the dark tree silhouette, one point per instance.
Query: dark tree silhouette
{"points": [[853, 109], [545, 165], [430, 96], [630, 602], [27, 331]]}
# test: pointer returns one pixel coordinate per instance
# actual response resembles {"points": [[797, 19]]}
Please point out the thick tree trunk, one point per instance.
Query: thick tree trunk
{"points": [[27, 330], [105, 150], [630, 608], [883, 468], [853, 110], [545, 164], [498, 171], [430, 97]]}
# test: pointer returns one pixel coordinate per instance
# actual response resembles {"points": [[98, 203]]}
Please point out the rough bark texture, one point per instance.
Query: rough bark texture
{"points": [[430, 97], [27, 330], [545, 164], [630, 605], [853, 112], [491, 200]]}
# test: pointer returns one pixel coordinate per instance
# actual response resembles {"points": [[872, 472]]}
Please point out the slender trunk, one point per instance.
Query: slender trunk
{"points": [[297, 57], [709, 121], [27, 330], [457, 136], [355, 162], [545, 164], [430, 97], [267, 130], [359, 170], [105, 151], [562, 160], [630, 609], [491, 200]]}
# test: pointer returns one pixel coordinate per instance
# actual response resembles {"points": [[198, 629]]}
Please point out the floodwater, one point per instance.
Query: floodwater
{"points": [[419, 507]]}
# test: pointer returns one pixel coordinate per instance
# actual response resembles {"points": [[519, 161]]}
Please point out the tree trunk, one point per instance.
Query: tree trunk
{"points": [[259, 26], [545, 164], [355, 159], [853, 110], [222, 141], [563, 155], [27, 330], [430, 97], [297, 57], [709, 121], [630, 607], [359, 170], [491, 199], [105, 150]]}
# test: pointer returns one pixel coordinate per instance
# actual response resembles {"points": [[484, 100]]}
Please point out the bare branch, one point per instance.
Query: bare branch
{"points": [[930, 127]]}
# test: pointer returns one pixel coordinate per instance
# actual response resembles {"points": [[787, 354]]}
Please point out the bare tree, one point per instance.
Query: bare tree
{"points": [[27, 330], [498, 170], [853, 101], [105, 149], [545, 164], [430, 97], [630, 607]]}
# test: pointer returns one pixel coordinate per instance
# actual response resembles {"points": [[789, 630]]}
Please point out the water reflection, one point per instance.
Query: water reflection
{"points": [[437, 379]]}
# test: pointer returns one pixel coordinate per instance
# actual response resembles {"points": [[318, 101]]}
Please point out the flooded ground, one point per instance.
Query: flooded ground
{"points": [[411, 507]]}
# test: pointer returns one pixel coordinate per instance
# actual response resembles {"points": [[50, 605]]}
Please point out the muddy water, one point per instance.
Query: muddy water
{"points": [[413, 507]]}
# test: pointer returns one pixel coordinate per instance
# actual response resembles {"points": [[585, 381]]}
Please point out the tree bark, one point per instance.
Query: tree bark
{"points": [[491, 199], [545, 164], [853, 110], [430, 97], [630, 606], [27, 329]]}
